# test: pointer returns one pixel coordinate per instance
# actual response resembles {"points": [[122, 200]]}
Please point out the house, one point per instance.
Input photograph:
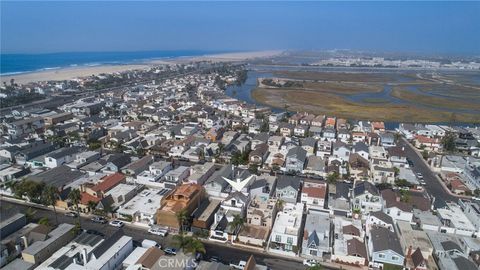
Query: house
{"points": [[397, 156], [114, 162], [274, 143], [204, 216], [106, 183], [155, 171], [359, 167], [109, 254], [316, 235], [318, 121], [379, 218], [199, 173], [295, 160], [314, 195], [329, 134], [260, 138], [79, 248], [413, 241], [137, 167], [384, 247], [286, 230], [366, 197], [315, 166], [324, 148], [400, 205], [39, 251], [121, 194], [143, 207], [348, 245], [308, 144], [300, 131], [260, 216], [32, 151], [214, 134], [361, 149], [448, 253], [287, 188], [341, 151], [61, 156], [255, 126], [263, 186], [176, 176], [381, 174], [184, 198], [258, 155], [427, 143], [339, 195], [378, 127], [387, 140], [286, 129]]}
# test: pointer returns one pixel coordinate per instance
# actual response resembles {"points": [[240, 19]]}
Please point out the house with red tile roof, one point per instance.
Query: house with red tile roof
{"points": [[313, 194], [105, 184]]}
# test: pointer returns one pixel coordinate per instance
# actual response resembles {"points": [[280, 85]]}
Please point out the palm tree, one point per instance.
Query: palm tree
{"points": [[29, 214], [194, 245], [182, 216], [49, 197], [182, 240], [44, 221], [75, 196], [236, 223]]}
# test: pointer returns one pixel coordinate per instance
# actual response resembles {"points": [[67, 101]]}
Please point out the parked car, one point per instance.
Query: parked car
{"points": [[146, 243], [158, 231], [419, 176], [97, 219], [170, 251], [116, 223], [215, 259], [71, 214], [310, 262]]}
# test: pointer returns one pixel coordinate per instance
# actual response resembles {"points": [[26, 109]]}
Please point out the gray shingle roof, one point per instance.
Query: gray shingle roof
{"points": [[384, 239]]}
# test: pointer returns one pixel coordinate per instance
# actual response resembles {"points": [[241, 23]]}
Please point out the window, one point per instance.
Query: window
{"points": [[381, 255], [394, 258], [278, 238], [290, 240], [313, 252]]}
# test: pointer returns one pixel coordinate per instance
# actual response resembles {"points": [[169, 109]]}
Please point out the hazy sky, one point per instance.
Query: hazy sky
{"points": [[436, 27]]}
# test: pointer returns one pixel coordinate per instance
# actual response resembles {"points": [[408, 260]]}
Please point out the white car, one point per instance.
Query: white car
{"points": [[419, 176], [116, 223], [310, 262], [157, 231]]}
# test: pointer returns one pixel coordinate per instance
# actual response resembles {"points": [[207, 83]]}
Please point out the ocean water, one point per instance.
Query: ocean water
{"points": [[23, 63]]}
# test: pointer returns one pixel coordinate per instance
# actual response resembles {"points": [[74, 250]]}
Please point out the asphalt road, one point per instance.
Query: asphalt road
{"points": [[225, 252], [433, 187]]}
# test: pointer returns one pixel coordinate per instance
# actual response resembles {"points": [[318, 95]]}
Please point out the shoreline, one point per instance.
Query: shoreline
{"points": [[73, 72]]}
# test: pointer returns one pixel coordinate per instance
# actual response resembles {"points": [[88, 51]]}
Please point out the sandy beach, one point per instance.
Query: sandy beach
{"points": [[83, 71]]}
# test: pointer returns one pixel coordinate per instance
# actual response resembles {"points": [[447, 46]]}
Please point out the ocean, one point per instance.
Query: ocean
{"points": [[24, 63]]}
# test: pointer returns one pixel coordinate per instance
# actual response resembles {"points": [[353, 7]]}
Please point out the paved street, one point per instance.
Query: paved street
{"points": [[225, 252], [433, 187]]}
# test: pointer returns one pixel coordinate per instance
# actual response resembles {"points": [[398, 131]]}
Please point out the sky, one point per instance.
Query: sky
{"points": [[430, 27]]}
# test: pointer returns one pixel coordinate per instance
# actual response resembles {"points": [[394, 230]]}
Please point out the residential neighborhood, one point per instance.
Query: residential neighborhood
{"points": [[176, 157]]}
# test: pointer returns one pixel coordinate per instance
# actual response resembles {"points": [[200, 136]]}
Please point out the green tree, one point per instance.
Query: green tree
{"points": [[75, 197], [316, 267], [49, 197], [182, 217], [181, 239], [425, 154], [44, 221], [476, 192], [194, 245], [448, 142], [332, 177], [237, 223], [30, 214], [280, 204], [92, 205]]}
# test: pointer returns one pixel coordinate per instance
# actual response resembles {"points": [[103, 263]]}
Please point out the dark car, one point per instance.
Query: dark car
{"points": [[101, 220]]}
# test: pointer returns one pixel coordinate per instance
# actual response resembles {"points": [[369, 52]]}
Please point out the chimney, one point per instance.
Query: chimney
{"points": [[409, 252], [84, 256], [25, 241], [403, 148]]}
